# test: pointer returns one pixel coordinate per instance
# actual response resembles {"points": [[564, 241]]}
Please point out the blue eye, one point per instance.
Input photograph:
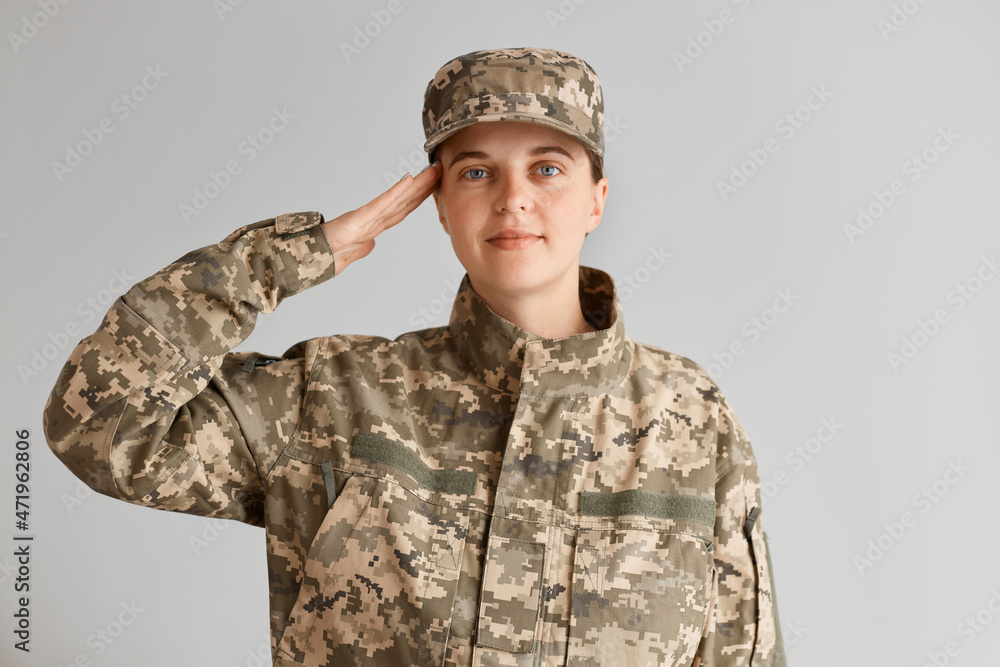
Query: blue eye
{"points": [[475, 174], [549, 166]]}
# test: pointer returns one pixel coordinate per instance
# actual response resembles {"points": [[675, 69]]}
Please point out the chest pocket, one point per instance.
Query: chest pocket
{"points": [[642, 578], [382, 570]]}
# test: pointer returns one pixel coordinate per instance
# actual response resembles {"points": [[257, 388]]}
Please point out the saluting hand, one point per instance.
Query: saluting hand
{"points": [[352, 235]]}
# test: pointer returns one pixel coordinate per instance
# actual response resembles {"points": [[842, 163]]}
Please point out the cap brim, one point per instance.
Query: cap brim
{"points": [[540, 119]]}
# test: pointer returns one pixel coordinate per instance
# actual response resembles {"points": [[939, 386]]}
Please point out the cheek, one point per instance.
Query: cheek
{"points": [[573, 212], [453, 203]]}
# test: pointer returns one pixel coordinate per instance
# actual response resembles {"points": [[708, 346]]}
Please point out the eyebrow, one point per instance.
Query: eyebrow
{"points": [[538, 150]]}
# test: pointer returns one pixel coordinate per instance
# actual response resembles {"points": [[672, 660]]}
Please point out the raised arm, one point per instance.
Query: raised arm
{"points": [[154, 409]]}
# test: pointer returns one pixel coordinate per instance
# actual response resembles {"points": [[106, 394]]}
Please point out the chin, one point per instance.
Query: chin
{"points": [[512, 279]]}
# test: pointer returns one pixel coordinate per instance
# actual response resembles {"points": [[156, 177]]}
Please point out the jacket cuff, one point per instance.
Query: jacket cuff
{"points": [[301, 251]]}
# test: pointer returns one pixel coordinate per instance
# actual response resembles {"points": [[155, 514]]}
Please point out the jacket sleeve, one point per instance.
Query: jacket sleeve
{"points": [[154, 409], [742, 627]]}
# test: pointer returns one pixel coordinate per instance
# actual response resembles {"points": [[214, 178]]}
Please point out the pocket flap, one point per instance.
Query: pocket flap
{"points": [[511, 594]]}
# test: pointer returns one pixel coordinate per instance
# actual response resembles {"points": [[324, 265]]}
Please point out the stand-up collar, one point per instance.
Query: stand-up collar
{"points": [[509, 358]]}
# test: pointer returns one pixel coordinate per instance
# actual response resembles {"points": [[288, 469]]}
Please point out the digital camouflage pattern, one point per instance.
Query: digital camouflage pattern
{"points": [[537, 85], [463, 495]]}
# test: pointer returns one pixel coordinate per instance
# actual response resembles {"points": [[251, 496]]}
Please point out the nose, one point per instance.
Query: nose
{"points": [[514, 192]]}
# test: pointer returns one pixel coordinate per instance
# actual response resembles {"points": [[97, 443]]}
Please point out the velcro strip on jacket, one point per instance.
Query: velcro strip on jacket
{"points": [[330, 481], [383, 450], [648, 503]]}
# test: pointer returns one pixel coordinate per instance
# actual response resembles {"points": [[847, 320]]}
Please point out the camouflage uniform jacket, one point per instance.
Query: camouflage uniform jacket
{"points": [[464, 495]]}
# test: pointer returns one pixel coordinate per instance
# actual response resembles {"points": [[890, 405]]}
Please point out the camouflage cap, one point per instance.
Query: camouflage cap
{"points": [[526, 84]]}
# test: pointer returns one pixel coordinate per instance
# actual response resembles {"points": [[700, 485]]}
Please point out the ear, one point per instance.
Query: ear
{"points": [[600, 196]]}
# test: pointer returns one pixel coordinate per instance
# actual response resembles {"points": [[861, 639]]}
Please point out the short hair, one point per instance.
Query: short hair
{"points": [[596, 163]]}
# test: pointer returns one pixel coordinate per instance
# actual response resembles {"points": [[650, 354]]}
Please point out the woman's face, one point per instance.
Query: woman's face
{"points": [[517, 198]]}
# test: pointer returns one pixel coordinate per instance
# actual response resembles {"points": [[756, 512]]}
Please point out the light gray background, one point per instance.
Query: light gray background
{"points": [[675, 132]]}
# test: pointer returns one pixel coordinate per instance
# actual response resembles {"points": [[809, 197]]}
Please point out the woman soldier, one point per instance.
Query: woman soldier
{"points": [[524, 486]]}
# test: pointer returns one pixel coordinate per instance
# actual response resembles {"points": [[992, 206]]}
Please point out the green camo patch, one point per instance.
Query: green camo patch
{"points": [[383, 450], [646, 503]]}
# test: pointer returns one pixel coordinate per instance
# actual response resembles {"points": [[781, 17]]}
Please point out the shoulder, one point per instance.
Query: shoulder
{"points": [[696, 396], [680, 372]]}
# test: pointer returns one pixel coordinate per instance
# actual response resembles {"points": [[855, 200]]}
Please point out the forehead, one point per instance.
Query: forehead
{"points": [[509, 136]]}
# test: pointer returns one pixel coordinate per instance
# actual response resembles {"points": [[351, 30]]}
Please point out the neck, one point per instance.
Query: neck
{"points": [[551, 313]]}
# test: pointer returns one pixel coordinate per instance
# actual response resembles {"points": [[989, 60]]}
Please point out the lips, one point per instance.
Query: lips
{"points": [[513, 239]]}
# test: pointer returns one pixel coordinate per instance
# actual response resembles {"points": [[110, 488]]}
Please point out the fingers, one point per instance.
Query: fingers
{"points": [[417, 189], [352, 234], [402, 192], [421, 186]]}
